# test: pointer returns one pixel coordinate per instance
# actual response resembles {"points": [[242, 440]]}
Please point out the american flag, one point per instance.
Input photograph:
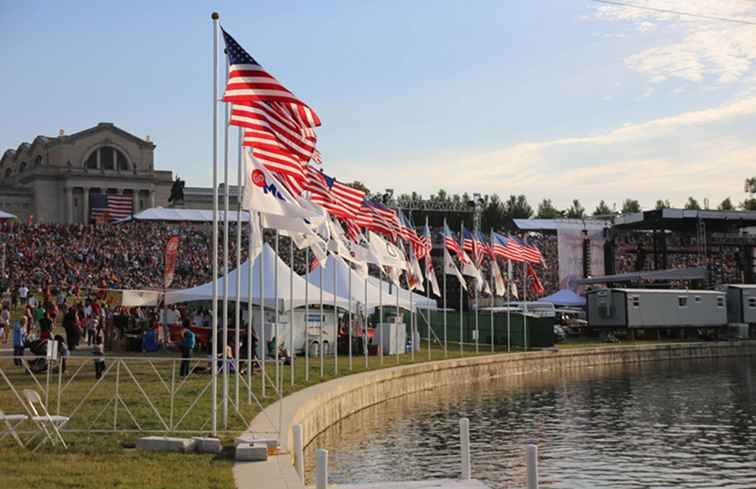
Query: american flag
{"points": [[427, 243], [379, 218], [450, 242], [531, 253], [337, 198], [407, 231], [277, 125], [249, 82], [506, 247], [110, 207], [475, 244]]}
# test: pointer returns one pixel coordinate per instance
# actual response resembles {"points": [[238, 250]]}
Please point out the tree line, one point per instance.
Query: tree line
{"points": [[498, 214]]}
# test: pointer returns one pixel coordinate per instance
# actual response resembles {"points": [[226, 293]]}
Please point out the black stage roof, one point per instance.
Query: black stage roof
{"points": [[682, 219]]}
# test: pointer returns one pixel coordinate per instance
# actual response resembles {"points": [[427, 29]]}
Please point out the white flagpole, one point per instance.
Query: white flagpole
{"points": [[263, 338], [509, 305], [249, 311], [349, 326], [292, 352], [477, 308], [461, 298], [365, 324], [320, 322], [225, 258], [446, 351], [492, 285], [237, 315], [525, 305], [380, 314], [412, 321], [335, 325], [396, 330], [428, 284], [307, 317], [214, 16], [275, 326]]}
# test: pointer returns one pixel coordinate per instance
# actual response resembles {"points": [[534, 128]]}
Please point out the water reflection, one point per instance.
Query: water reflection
{"points": [[686, 424]]}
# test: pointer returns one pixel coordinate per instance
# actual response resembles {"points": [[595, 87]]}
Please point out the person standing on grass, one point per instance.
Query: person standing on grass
{"points": [[23, 293], [71, 327], [19, 341], [187, 346], [45, 327], [99, 352], [5, 321]]}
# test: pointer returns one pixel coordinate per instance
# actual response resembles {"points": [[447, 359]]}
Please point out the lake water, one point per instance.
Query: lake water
{"points": [[681, 424]]}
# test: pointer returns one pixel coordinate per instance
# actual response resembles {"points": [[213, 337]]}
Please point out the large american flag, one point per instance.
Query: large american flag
{"points": [[337, 198], [450, 242], [506, 247], [379, 218], [110, 207], [277, 125]]}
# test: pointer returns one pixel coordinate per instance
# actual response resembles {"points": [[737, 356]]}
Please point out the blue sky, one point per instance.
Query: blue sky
{"points": [[551, 99]]}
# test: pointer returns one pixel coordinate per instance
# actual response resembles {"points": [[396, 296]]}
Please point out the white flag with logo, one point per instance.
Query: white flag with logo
{"points": [[451, 269], [388, 254], [430, 275], [263, 192], [499, 287]]}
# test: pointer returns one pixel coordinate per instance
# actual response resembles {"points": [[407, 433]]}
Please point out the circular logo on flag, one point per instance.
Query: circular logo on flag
{"points": [[258, 178]]}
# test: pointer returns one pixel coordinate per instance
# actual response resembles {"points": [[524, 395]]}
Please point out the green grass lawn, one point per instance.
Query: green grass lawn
{"points": [[102, 459]]}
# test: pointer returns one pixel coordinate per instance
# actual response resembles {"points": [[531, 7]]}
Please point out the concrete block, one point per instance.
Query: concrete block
{"points": [[251, 452], [165, 444], [207, 445], [249, 439]]}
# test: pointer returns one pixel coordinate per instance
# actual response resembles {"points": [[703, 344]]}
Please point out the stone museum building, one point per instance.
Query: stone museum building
{"points": [[55, 179]]}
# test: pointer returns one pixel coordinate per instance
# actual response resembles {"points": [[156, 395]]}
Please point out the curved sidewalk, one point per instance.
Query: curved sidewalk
{"points": [[319, 406]]}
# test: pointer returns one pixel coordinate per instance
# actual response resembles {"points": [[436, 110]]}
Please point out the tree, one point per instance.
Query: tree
{"points": [[517, 207], [494, 213], [726, 205], [359, 186], [749, 204], [602, 209], [576, 210], [692, 204], [546, 210], [750, 185], [662, 204], [630, 206]]}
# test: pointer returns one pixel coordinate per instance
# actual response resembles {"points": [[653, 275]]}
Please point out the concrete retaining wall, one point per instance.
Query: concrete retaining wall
{"points": [[320, 406]]}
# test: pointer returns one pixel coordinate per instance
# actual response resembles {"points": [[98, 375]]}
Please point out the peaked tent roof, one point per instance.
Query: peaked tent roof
{"points": [[182, 215], [419, 301], [269, 263], [6, 215], [564, 297]]}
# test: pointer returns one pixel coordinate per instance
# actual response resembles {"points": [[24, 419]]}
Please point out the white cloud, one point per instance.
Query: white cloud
{"points": [[702, 47], [669, 157]]}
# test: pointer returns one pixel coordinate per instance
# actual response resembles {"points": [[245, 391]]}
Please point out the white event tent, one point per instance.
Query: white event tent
{"points": [[270, 262], [184, 215], [374, 298], [5, 215]]}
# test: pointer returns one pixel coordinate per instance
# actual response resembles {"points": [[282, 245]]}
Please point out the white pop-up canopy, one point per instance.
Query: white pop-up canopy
{"points": [[343, 270], [269, 261], [6, 215], [419, 301]]}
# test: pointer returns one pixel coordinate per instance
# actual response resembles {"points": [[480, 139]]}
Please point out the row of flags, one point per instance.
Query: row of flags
{"points": [[287, 187]]}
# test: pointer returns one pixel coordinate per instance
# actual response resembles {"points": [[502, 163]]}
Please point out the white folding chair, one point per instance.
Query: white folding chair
{"points": [[11, 422], [49, 425]]}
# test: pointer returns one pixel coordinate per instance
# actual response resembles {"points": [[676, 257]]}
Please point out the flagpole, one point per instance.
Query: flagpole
{"points": [[307, 316], [493, 286], [226, 205], [320, 321], [477, 308], [249, 310], [350, 318], [412, 321], [292, 352], [335, 324], [263, 331], [237, 316], [396, 329], [275, 325], [214, 424], [365, 323], [525, 305], [428, 285], [509, 305], [461, 298], [380, 313], [446, 351]]}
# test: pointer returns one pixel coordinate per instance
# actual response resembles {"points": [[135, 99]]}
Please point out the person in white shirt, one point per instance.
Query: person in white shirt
{"points": [[32, 302], [23, 293]]}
